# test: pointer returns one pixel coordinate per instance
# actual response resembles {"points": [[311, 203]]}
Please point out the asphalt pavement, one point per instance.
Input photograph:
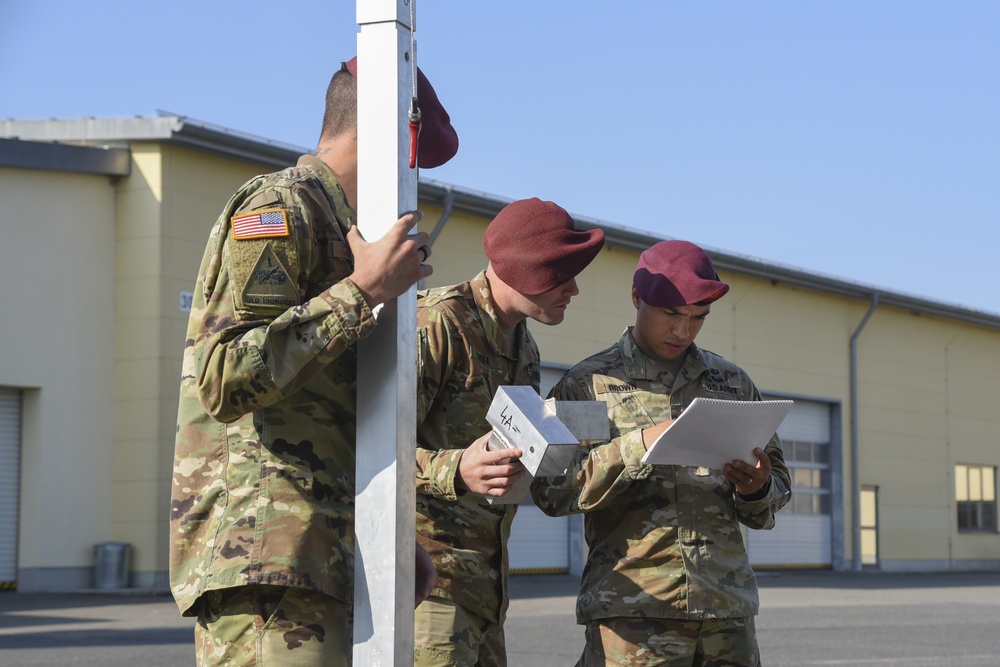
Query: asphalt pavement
{"points": [[807, 619]]}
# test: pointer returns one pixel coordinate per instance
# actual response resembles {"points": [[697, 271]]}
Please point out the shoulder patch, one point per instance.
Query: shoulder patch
{"points": [[264, 224], [265, 284]]}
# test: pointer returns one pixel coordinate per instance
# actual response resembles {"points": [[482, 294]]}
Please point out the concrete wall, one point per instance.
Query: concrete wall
{"points": [[94, 333], [58, 264], [165, 213], [920, 383]]}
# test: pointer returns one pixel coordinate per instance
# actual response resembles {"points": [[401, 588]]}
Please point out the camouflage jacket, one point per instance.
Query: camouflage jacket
{"points": [[461, 363], [665, 541], [263, 483]]}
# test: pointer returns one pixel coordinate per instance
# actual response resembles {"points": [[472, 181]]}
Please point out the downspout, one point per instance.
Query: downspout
{"points": [[855, 479], [449, 202]]}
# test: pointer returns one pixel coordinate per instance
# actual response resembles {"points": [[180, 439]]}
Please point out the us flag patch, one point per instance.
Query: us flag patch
{"points": [[261, 225]]}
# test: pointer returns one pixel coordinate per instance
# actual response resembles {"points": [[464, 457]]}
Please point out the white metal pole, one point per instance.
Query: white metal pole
{"points": [[385, 521]]}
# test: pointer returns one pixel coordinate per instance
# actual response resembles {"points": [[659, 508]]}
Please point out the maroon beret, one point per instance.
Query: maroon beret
{"points": [[534, 246], [677, 273], [438, 140]]}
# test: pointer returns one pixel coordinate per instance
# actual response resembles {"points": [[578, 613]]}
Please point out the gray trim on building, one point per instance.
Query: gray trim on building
{"points": [[102, 161], [489, 205], [172, 129], [183, 131]]}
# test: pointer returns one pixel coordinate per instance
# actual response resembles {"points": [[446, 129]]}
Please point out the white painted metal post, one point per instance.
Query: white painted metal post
{"points": [[385, 520]]}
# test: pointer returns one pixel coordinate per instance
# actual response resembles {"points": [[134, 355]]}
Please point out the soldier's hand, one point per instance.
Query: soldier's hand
{"points": [[749, 479], [491, 473], [650, 434], [425, 575], [386, 268]]}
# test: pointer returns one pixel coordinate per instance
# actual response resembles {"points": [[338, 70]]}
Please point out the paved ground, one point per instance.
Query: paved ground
{"points": [[808, 619], [880, 620]]}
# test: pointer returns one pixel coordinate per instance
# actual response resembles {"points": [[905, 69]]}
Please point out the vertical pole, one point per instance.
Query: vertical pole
{"points": [[385, 496]]}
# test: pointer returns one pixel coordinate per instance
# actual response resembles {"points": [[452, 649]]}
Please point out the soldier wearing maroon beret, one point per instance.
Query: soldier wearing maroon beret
{"points": [[262, 506], [667, 579], [473, 338]]}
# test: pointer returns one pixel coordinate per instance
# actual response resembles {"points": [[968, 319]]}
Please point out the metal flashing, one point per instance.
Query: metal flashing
{"points": [[173, 129], [183, 131], [472, 201], [102, 160]]}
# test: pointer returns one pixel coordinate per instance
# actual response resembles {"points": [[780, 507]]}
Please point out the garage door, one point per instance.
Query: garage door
{"points": [[802, 536], [10, 474], [539, 544]]}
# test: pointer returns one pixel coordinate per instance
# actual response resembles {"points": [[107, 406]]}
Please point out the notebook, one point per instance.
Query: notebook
{"points": [[712, 432]]}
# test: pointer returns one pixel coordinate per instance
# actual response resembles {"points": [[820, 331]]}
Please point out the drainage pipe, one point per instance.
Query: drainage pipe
{"points": [[449, 203], [855, 479]]}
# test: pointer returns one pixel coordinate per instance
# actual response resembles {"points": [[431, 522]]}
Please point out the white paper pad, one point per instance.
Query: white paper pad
{"points": [[713, 432]]}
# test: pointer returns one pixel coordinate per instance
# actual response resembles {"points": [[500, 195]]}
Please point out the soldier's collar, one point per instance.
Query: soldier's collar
{"points": [[345, 212], [638, 366], [495, 335]]}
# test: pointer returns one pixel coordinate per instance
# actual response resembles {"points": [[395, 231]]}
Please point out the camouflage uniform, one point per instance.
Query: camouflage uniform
{"points": [[263, 485], [251, 626], [462, 361], [665, 541]]}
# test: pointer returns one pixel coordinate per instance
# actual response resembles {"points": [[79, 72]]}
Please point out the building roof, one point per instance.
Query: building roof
{"points": [[168, 128], [43, 142], [98, 160]]}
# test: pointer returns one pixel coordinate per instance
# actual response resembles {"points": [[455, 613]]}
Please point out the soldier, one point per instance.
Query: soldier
{"points": [[667, 580], [262, 507], [473, 338]]}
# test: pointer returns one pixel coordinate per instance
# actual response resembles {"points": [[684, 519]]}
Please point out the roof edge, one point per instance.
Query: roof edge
{"points": [[49, 156], [184, 131], [473, 201], [172, 128]]}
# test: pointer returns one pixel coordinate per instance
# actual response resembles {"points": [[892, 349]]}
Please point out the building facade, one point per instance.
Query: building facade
{"points": [[892, 443]]}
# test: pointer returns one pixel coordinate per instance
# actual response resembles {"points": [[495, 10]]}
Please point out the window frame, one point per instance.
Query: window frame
{"points": [[975, 498]]}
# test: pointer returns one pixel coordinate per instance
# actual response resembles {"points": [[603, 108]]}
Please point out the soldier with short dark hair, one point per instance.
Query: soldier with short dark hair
{"points": [[473, 339], [667, 580], [262, 502]]}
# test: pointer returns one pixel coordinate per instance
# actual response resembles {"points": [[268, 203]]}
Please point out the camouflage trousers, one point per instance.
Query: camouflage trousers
{"points": [[273, 626], [447, 635], [665, 642]]}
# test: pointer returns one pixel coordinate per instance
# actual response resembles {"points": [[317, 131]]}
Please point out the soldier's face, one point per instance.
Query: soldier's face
{"points": [[550, 307], [666, 332]]}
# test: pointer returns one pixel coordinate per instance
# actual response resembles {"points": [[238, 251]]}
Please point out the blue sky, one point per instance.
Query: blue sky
{"points": [[856, 139]]}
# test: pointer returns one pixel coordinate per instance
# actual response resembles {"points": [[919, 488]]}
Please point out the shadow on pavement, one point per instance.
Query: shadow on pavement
{"points": [[530, 586], [98, 638], [873, 580], [16, 601]]}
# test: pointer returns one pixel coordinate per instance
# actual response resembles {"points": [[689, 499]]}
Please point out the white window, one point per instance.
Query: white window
{"points": [[976, 498]]}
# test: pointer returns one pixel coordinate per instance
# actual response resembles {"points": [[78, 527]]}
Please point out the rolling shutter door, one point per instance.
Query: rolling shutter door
{"points": [[802, 535], [538, 543], [10, 474]]}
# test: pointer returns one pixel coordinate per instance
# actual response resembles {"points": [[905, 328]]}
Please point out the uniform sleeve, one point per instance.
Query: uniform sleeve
{"points": [[600, 473], [437, 356], [263, 322], [758, 513]]}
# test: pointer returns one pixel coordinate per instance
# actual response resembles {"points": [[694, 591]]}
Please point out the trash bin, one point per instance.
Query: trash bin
{"points": [[111, 565]]}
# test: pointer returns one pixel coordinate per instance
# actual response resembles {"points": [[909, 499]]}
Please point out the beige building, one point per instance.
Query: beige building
{"points": [[892, 442]]}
